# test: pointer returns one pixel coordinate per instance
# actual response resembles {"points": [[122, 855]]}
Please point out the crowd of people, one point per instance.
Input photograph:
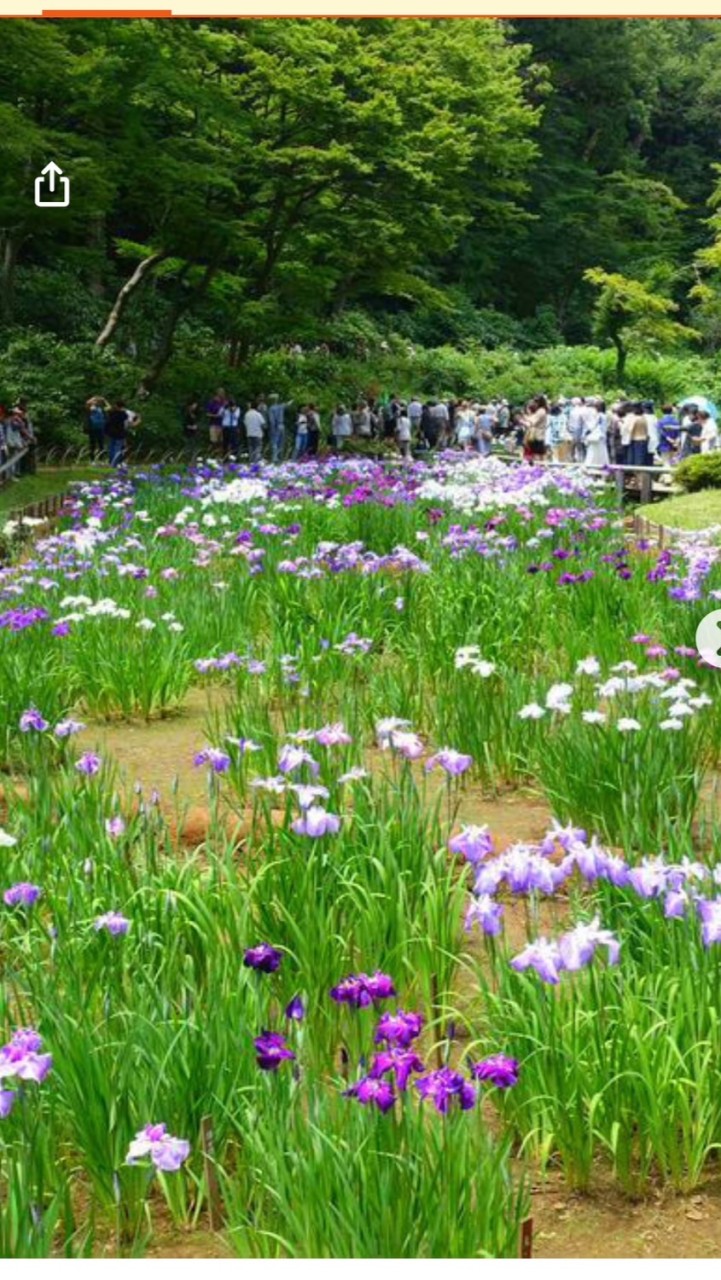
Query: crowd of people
{"points": [[581, 429], [17, 441]]}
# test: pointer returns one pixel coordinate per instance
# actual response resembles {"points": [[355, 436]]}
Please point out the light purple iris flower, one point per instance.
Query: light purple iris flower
{"points": [[113, 923], [293, 757], [454, 763], [32, 721], [22, 894], [485, 911], [7, 1102], [166, 1152], [218, 760], [89, 764], [20, 1057], [543, 956], [578, 947], [66, 728], [333, 735], [473, 843], [316, 822], [709, 910]]}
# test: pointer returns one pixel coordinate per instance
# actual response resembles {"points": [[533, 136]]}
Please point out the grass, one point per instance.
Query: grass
{"points": [[47, 482], [691, 511]]}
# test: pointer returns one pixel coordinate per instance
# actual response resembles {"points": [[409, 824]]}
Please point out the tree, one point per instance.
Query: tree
{"points": [[628, 315]]}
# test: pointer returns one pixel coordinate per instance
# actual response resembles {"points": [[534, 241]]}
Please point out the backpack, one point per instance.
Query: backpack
{"points": [[97, 417]]}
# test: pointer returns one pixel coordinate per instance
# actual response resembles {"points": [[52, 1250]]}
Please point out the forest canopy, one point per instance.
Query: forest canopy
{"points": [[239, 186]]}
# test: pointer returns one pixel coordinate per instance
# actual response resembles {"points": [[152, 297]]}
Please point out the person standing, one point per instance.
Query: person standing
{"points": [[340, 427], [594, 436], [301, 434], [415, 413], [534, 438], [191, 423], [230, 422], [637, 437], [403, 433], [276, 423], [116, 430], [483, 430], [96, 415], [669, 434], [709, 439], [464, 425], [254, 424], [558, 438], [313, 431], [577, 427], [441, 421], [214, 412]]}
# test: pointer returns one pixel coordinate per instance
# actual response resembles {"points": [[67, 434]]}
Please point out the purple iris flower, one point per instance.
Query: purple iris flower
{"points": [[578, 947], [272, 1050], [445, 1085], [498, 1070], [20, 1057], [648, 879], [115, 827], [22, 894], [359, 989], [400, 1061], [89, 764], [292, 758], [166, 1152], [485, 911], [454, 763], [218, 760], [316, 822], [398, 1028], [675, 904], [709, 910], [66, 728], [333, 735], [295, 1010], [32, 720], [372, 1091], [264, 958], [113, 923], [473, 843], [7, 1102], [541, 955]]}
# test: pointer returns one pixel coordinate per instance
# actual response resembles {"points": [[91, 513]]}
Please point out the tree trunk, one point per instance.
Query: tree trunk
{"points": [[9, 252], [95, 241], [128, 289], [180, 304], [621, 354]]}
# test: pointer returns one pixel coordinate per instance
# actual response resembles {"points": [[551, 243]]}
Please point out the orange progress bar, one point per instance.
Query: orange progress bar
{"points": [[107, 13]]}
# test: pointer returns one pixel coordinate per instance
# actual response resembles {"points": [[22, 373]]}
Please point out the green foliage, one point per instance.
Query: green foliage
{"points": [[701, 472]]}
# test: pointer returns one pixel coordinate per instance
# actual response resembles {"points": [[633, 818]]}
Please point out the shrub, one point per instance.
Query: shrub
{"points": [[701, 472]]}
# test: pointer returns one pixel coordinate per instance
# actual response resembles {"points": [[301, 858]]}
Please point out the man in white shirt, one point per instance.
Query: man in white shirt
{"points": [[415, 413], [254, 422], [577, 428], [709, 432], [441, 419]]}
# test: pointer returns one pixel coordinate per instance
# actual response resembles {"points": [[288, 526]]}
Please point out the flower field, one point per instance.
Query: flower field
{"points": [[348, 1023]]}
